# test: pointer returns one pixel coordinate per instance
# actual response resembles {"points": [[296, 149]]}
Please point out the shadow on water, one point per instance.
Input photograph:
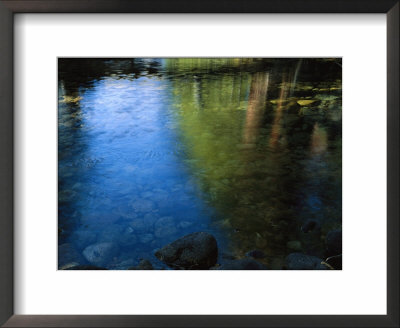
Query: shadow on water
{"points": [[152, 149]]}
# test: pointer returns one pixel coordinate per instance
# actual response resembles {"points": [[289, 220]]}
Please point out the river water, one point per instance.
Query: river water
{"points": [[150, 150]]}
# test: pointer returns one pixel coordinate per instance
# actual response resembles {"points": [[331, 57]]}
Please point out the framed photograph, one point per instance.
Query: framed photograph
{"points": [[214, 164]]}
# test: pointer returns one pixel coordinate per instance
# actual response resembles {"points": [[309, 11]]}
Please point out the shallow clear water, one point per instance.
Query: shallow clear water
{"points": [[153, 149]]}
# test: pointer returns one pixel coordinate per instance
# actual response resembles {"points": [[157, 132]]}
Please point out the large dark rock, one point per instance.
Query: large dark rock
{"points": [[196, 251], [242, 264], [100, 254], [299, 261], [334, 242]]}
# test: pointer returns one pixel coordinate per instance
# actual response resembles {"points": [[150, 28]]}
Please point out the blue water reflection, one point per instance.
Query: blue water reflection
{"points": [[129, 184]]}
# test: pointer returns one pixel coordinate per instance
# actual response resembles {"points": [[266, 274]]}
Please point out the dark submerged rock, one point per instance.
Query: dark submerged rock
{"points": [[100, 254], [196, 251], [334, 242], [242, 264], [256, 254], [310, 225], [299, 261]]}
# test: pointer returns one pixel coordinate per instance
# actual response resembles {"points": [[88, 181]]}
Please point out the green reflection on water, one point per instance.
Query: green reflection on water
{"points": [[263, 139]]}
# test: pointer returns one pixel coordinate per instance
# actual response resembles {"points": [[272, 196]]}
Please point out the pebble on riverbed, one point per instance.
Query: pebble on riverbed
{"points": [[299, 261], [100, 254], [196, 251]]}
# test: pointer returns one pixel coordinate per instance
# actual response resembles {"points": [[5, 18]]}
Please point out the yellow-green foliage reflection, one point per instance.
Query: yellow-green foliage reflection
{"points": [[238, 123]]}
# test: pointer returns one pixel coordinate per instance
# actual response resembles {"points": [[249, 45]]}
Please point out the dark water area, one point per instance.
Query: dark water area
{"points": [[150, 150]]}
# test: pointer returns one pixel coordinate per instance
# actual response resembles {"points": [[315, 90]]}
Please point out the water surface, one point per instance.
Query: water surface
{"points": [[153, 149]]}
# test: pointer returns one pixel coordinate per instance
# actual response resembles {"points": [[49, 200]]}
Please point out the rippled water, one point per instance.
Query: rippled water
{"points": [[153, 149]]}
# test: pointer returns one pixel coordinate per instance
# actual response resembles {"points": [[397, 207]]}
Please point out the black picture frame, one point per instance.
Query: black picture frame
{"points": [[10, 7]]}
